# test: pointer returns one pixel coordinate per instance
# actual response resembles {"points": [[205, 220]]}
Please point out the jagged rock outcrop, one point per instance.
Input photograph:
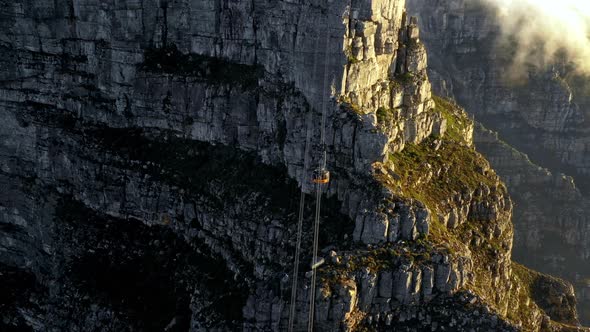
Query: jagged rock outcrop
{"points": [[541, 112], [165, 142]]}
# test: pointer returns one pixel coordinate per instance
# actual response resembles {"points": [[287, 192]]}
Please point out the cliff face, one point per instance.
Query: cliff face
{"points": [[540, 113], [543, 115], [551, 227], [153, 154]]}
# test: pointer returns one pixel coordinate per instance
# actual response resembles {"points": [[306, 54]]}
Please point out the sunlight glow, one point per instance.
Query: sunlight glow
{"points": [[542, 28]]}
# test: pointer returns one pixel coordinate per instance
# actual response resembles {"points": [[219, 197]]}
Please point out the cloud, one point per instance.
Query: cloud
{"points": [[542, 30]]}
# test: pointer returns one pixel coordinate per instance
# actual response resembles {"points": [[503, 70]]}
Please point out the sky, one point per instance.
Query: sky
{"points": [[544, 27]]}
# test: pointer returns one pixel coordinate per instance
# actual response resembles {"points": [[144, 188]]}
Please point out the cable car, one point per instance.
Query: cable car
{"points": [[321, 176]]}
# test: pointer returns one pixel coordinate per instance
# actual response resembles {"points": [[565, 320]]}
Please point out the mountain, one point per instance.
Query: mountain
{"points": [[154, 154], [543, 115]]}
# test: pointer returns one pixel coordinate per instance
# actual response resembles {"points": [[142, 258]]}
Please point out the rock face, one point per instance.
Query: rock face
{"points": [[550, 222], [540, 114], [153, 153], [543, 115]]}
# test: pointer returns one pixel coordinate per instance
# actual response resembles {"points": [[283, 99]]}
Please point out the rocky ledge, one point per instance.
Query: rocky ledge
{"points": [[154, 152]]}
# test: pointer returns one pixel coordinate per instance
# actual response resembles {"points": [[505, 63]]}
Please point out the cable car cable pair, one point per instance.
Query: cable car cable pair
{"points": [[320, 176]]}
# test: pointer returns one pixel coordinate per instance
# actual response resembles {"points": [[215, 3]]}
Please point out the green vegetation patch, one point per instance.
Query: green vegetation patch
{"points": [[348, 105], [434, 172], [432, 176], [351, 59], [384, 115], [548, 294], [458, 123], [404, 79]]}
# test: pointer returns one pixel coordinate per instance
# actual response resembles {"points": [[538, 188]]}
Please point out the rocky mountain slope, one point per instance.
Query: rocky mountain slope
{"points": [[153, 153], [541, 111], [548, 237], [543, 114]]}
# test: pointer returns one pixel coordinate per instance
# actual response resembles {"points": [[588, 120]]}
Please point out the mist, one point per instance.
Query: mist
{"points": [[541, 31]]}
